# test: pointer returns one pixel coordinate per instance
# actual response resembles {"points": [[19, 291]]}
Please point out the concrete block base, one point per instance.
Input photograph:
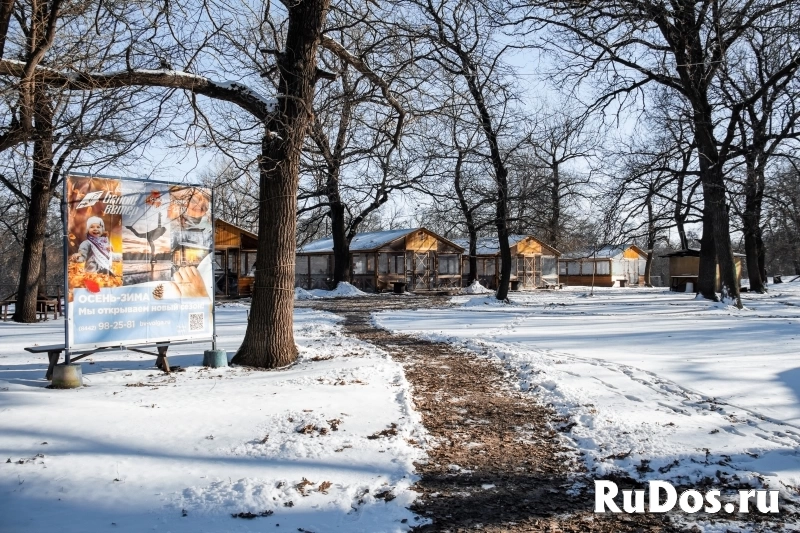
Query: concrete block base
{"points": [[215, 358], [67, 376]]}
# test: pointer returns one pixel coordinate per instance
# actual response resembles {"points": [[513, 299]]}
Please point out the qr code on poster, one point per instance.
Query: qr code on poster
{"points": [[196, 321]]}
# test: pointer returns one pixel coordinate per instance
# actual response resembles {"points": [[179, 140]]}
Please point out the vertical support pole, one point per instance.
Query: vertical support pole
{"points": [[213, 277], [65, 262]]}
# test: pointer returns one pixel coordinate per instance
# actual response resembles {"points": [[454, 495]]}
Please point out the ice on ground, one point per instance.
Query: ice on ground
{"points": [[655, 384], [137, 450], [342, 290], [476, 288]]}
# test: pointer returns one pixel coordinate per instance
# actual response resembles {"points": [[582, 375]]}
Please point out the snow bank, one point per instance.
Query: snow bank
{"points": [[342, 290], [651, 383], [137, 450], [302, 294], [476, 288]]}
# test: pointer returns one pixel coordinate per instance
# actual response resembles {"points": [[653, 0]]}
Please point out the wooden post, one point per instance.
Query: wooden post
{"points": [[53, 356], [161, 360]]}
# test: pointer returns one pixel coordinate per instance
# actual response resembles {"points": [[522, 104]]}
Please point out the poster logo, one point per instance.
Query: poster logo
{"points": [[90, 199]]}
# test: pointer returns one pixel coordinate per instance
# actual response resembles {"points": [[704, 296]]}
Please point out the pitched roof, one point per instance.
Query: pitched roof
{"points": [[362, 242], [491, 245], [692, 252], [606, 252], [245, 231]]}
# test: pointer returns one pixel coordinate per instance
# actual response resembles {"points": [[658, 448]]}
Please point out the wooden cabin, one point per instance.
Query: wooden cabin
{"points": [[684, 268], [611, 266], [534, 264], [417, 257], [235, 260]]}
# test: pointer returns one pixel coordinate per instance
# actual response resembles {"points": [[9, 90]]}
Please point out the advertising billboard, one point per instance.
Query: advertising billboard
{"points": [[139, 262]]}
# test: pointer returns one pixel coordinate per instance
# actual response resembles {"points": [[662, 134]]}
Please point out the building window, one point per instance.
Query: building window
{"points": [[448, 264], [359, 265]]}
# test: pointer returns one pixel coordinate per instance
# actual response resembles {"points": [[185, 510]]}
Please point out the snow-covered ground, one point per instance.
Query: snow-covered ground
{"points": [[654, 383], [136, 450]]}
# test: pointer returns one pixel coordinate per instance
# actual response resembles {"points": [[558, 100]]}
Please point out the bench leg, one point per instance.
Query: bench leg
{"points": [[53, 356], [161, 361]]}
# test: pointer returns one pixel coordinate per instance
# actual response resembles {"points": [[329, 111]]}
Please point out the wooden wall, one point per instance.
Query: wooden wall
{"points": [[225, 236], [690, 266], [599, 280], [529, 247], [630, 253], [421, 241]]}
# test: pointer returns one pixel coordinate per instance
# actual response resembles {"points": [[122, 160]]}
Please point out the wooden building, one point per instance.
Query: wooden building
{"points": [[684, 268], [235, 259], [611, 266], [417, 257], [534, 264]]}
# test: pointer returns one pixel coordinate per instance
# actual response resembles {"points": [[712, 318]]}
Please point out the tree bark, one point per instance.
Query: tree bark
{"points": [[269, 339], [707, 274], [751, 218], [651, 238], [6, 10], [714, 203], [341, 244], [33, 246]]}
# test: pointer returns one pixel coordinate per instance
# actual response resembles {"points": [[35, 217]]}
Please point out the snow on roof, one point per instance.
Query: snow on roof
{"points": [[692, 252], [488, 245], [491, 245], [606, 252], [361, 242]]}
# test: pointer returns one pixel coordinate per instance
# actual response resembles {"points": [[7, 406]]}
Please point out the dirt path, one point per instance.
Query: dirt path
{"points": [[498, 462]]}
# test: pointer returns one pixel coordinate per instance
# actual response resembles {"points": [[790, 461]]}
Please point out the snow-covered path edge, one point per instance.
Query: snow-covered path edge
{"points": [[137, 450], [614, 440]]}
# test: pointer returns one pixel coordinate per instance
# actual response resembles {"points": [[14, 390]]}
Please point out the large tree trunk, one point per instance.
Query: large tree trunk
{"points": [[341, 244], [714, 199], [707, 274], [33, 246], [714, 194], [501, 221], [651, 238], [751, 222], [6, 10], [269, 339]]}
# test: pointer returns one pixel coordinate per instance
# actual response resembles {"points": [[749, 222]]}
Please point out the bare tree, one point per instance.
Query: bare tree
{"points": [[465, 45], [681, 45], [560, 139], [767, 123], [235, 193], [354, 162]]}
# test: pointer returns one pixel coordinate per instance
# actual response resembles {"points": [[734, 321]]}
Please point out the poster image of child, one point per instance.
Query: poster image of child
{"points": [[96, 250], [94, 229]]}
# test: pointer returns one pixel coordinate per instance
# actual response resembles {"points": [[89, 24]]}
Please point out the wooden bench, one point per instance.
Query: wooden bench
{"points": [[53, 352], [43, 308], [4, 304]]}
